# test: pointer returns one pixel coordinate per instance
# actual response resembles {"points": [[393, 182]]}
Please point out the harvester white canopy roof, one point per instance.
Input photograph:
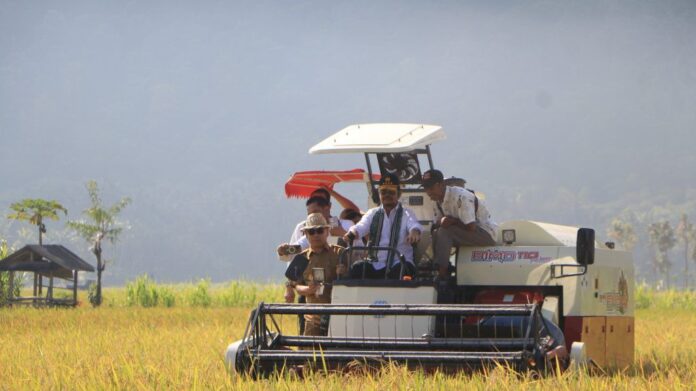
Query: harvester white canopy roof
{"points": [[384, 138]]}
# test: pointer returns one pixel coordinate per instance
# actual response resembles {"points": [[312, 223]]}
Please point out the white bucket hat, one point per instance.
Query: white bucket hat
{"points": [[315, 220]]}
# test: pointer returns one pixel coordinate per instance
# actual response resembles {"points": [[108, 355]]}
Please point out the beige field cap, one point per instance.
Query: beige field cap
{"points": [[315, 220]]}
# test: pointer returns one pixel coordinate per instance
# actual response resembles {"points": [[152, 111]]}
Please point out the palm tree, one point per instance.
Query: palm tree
{"points": [[686, 233], [101, 224], [622, 231], [35, 211], [663, 239]]}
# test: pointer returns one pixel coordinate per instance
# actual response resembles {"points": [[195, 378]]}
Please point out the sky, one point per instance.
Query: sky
{"points": [[199, 111]]}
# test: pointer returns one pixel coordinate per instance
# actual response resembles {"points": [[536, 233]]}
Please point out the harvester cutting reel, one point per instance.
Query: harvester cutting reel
{"points": [[512, 335]]}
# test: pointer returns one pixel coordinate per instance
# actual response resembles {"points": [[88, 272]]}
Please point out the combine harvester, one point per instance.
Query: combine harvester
{"points": [[546, 296]]}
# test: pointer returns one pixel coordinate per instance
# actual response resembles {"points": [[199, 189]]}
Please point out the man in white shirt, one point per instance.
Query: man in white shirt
{"points": [[389, 225], [461, 219], [316, 204]]}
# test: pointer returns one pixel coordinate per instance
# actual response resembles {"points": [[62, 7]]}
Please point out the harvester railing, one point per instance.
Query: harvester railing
{"points": [[399, 309], [267, 349]]}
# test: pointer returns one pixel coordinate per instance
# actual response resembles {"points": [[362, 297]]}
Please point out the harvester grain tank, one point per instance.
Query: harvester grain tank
{"points": [[545, 294]]}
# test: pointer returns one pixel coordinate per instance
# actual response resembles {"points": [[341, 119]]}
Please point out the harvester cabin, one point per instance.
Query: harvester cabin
{"points": [[48, 264]]}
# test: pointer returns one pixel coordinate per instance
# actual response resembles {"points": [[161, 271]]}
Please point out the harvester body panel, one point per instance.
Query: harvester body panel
{"points": [[381, 326]]}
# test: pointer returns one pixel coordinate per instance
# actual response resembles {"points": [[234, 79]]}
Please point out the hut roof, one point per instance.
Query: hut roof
{"points": [[34, 257]]}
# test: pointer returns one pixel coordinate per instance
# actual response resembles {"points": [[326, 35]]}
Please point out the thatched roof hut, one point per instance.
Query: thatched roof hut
{"points": [[45, 262]]}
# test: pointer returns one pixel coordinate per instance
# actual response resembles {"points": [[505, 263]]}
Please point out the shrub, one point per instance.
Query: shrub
{"points": [[644, 296], [92, 294], [5, 251], [200, 295], [142, 292], [167, 297], [647, 297], [238, 294]]}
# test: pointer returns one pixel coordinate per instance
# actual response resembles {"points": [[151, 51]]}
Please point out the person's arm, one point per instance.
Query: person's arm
{"points": [[343, 201], [347, 224], [297, 237], [362, 228], [289, 292], [465, 217], [336, 228], [413, 226], [436, 214], [307, 290], [467, 210]]}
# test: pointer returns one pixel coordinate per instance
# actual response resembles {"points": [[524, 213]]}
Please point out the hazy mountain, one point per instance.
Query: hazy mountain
{"points": [[566, 112]]}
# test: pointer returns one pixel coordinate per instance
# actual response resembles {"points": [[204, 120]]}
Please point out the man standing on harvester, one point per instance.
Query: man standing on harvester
{"points": [[461, 219], [388, 225]]}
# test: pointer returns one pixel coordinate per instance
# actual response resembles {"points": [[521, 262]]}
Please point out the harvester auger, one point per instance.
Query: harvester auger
{"points": [[544, 296]]}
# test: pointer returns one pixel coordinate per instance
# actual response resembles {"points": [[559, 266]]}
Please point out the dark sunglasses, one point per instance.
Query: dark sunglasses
{"points": [[312, 231]]}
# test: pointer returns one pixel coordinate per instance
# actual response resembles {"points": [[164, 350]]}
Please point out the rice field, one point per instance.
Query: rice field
{"points": [[124, 345]]}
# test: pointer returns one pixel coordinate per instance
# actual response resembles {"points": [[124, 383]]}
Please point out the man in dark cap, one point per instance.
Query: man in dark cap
{"points": [[389, 225], [461, 219]]}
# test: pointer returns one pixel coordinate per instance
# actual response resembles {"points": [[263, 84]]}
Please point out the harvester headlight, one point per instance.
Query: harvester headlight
{"points": [[509, 236]]}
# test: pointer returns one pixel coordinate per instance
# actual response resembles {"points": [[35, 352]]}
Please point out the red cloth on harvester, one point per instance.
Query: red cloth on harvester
{"points": [[302, 184]]}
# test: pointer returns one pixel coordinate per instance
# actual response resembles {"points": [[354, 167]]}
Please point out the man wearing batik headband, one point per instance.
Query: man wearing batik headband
{"points": [[389, 225]]}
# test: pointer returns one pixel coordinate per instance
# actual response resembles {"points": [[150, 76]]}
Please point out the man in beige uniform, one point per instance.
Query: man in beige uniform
{"points": [[460, 219], [323, 256]]}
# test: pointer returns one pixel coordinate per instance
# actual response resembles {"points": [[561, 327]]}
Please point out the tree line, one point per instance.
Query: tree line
{"points": [[99, 223], [670, 245]]}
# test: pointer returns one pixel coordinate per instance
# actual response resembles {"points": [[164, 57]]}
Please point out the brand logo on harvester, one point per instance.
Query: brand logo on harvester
{"points": [[506, 256], [493, 256]]}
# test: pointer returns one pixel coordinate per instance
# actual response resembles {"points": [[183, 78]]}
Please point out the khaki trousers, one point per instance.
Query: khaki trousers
{"points": [[445, 238]]}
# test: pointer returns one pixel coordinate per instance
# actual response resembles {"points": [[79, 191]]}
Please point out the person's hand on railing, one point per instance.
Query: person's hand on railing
{"points": [[413, 236], [289, 295], [349, 237]]}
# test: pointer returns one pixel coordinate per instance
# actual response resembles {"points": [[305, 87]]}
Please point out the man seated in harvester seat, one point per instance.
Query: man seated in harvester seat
{"points": [[389, 225], [320, 255], [460, 219]]}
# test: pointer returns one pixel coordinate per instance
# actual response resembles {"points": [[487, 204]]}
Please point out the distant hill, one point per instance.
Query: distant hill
{"points": [[566, 113]]}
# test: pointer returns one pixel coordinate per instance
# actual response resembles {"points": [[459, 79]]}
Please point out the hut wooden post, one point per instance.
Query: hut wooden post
{"points": [[74, 287], [36, 280], [10, 292], [49, 293]]}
